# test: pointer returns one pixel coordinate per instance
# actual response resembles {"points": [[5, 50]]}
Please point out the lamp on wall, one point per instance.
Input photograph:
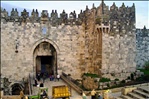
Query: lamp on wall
{"points": [[17, 45]]}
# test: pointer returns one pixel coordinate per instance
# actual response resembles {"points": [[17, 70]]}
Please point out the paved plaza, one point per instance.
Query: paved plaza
{"points": [[74, 94], [49, 84]]}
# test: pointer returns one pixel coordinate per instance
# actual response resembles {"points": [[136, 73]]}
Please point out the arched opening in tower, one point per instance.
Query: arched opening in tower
{"points": [[16, 88], [45, 59]]}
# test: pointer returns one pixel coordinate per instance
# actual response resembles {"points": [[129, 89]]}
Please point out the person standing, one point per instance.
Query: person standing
{"points": [[93, 92], [36, 83], [22, 94], [44, 77], [41, 84], [43, 94], [58, 77], [83, 96], [38, 76], [99, 96]]}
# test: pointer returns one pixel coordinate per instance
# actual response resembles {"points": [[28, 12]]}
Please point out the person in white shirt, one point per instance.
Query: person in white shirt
{"points": [[93, 92], [58, 77]]}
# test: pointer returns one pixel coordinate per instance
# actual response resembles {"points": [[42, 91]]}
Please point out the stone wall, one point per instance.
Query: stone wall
{"points": [[80, 44], [142, 45], [18, 65], [118, 55]]}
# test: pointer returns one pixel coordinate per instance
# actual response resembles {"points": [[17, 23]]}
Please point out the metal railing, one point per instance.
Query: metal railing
{"points": [[71, 82]]}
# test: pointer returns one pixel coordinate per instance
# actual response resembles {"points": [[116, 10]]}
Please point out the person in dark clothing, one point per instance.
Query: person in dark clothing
{"points": [[44, 77], [41, 84], [43, 94], [53, 77], [38, 76], [35, 82]]}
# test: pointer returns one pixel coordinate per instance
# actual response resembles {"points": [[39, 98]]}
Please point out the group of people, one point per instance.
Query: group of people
{"points": [[54, 78], [94, 95], [39, 76], [38, 82]]}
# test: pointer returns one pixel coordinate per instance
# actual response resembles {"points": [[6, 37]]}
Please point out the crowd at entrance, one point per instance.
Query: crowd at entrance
{"points": [[41, 77]]}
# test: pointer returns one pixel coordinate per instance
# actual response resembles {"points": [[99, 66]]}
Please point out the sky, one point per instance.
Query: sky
{"points": [[142, 7]]}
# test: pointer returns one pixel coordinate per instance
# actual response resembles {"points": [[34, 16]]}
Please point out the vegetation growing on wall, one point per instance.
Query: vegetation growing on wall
{"points": [[105, 80], [91, 75]]}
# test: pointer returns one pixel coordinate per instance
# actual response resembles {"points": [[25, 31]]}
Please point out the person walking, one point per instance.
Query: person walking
{"points": [[36, 83], [93, 92], [44, 77], [99, 96], [38, 76], [83, 96], [58, 77]]}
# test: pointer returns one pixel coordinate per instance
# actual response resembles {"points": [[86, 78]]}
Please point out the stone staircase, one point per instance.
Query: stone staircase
{"points": [[139, 93], [68, 82]]}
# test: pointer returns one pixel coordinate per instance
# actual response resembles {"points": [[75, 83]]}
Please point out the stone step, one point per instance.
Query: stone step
{"points": [[125, 97], [135, 96], [145, 95], [144, 88]]}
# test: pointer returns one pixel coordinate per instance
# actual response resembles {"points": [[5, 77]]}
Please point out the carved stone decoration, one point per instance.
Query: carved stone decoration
{"points": [[64, 17], [80, 17], [4, 13], [14, 15], [54, 18], [44, 16], [52, 14], [44, 30], [71, 18], [144, 32], [55, 14], [34, 16], [132, 16], [114, 19], [24, 15], [74, 14], [12, 12]]}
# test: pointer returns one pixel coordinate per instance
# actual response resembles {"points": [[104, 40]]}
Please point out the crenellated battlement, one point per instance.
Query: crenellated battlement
{"points": [[142, 32], [121, 19]]}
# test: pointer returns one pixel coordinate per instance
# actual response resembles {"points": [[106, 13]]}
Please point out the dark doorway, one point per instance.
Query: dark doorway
{"points": [[16, 88], [45, 56], [46, 65]]}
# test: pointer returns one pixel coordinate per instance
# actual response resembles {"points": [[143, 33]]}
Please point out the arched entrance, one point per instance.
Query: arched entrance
{"points": [[45, 59], [15, 88]]}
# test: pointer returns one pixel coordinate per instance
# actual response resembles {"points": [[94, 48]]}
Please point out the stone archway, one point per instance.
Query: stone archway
{"points": [[15, 88], [45, 59]]}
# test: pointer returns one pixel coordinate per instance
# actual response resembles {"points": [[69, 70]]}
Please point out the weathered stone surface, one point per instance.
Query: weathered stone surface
{"points": [[97, 47], [142, 45], [89, 83]]}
